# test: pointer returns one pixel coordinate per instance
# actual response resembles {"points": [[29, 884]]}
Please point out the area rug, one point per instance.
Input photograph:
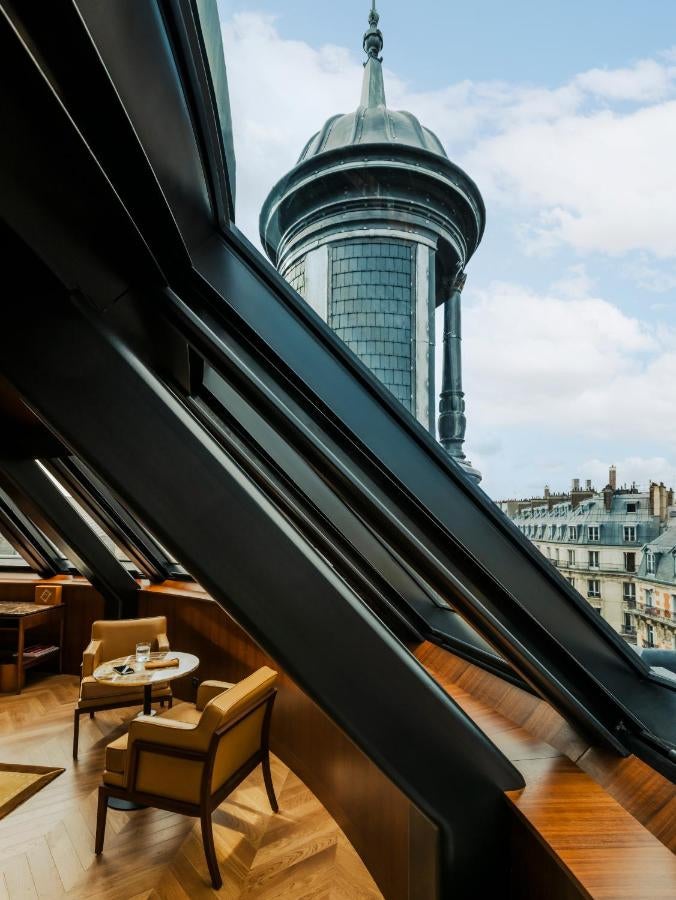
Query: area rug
{"points": [[18, 783]]}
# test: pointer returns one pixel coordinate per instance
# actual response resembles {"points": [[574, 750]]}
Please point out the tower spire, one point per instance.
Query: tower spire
{"points": [[373, 38], [373, 88]]}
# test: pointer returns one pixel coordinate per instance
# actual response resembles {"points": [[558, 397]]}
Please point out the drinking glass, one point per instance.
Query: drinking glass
{"points": [[142, 652]]}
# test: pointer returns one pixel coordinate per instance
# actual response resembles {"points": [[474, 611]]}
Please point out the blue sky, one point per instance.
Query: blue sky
{"points": [[433, 43], [565, 116]]}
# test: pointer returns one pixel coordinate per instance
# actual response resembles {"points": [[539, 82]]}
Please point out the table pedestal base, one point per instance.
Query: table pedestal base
{"points": [[124, 805]]}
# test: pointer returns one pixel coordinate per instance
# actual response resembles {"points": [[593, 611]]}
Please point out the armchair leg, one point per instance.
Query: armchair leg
{"points": [[210, 849], [269, 786], [91, 714], [101, 814], [76, 732]]}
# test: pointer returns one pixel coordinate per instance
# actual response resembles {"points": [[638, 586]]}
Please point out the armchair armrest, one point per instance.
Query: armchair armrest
{"points": [[162, 643], [90, 658], [208, 690]]}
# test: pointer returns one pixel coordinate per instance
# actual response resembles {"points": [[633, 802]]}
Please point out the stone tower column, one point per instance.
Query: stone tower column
{"points": [[452, 420], [370, 226]]}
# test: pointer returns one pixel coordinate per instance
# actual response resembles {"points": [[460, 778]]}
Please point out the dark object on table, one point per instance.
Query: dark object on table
{"points": [[124, 670]]}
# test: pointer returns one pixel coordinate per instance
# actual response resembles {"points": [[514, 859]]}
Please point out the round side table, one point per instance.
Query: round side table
{"points": [[145, 678]]}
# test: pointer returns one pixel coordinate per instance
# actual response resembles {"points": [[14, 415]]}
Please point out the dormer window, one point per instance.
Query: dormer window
{"points": [[592, 533], [572, 532], [632, 507], [629, 534], [650, 562]]}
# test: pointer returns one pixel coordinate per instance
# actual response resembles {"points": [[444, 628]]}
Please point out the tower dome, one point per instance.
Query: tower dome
{"points": [[374, 226], [372, 122]]}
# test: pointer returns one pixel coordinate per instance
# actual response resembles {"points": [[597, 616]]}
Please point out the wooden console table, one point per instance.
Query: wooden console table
{"points": [[21, 618]]}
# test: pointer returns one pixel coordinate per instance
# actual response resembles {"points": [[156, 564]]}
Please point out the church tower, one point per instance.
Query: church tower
{"points": [[374, 227]]}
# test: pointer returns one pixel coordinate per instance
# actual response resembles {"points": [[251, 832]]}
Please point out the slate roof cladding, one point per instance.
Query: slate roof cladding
{"points": [[296, 276], [370, 307], [592, 512], [664, 548]]}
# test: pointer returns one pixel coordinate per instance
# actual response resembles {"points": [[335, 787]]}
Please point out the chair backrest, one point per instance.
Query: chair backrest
{"points": [[232, 747], [119, 636]]}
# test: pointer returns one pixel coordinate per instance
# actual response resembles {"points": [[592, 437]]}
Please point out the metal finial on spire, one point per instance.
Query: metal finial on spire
{"points": [[373, 38]]}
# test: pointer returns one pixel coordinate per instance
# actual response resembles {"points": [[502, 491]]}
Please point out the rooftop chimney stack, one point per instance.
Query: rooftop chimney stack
{"points": [[612, 477], [546, 491], [588, 485], [654, 498], [576, 484], [663, 502]]}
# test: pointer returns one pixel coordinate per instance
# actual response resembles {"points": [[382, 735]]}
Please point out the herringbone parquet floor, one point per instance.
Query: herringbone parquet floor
{"points": [[46, 845]]}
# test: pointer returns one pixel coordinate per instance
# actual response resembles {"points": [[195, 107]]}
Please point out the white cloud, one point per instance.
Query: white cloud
{"points": [[568, 366], [646, 81], [280, 90], [602, 182], [550, 375]]}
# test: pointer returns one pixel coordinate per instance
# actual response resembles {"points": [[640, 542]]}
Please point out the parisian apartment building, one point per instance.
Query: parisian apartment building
{"points": [[617, 548]]}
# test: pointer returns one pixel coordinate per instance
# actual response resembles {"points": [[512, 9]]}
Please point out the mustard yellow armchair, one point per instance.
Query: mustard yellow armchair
{"points": [[188, 759], [110, 640]]}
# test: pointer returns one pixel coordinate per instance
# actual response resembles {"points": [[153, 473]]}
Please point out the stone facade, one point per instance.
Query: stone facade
{"points": [[601, 541], [652, 613]]}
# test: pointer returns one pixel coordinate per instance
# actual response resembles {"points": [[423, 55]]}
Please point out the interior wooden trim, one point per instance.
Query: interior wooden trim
{"points": [[644, 793]]}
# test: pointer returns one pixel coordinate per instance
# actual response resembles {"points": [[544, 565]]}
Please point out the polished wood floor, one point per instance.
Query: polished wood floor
{"points": [[46, 845]]}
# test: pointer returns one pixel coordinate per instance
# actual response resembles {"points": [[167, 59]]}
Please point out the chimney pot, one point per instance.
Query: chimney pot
{"points": [[576, 484], [612, 477]]}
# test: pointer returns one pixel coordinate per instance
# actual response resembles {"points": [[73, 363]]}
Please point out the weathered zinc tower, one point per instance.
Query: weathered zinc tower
{"points": [[373, 227]]}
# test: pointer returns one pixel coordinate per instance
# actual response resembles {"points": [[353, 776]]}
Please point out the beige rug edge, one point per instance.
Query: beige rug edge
{"points": [[43, 776]]}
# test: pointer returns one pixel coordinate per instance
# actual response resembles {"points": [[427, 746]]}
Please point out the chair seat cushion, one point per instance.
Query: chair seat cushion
{"points": [[182, 712], [116, 751], [91, 689]]}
